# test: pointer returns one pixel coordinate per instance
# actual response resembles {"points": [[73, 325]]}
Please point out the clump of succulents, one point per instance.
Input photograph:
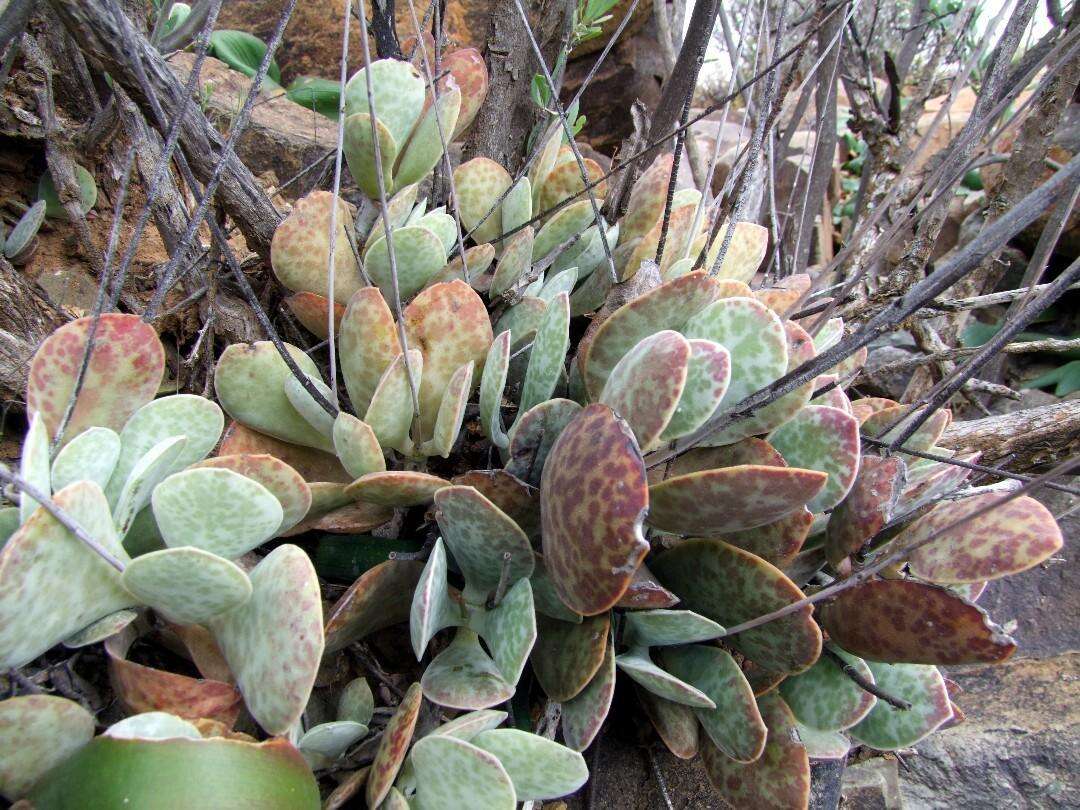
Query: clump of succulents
{"points": [[585, 548]]}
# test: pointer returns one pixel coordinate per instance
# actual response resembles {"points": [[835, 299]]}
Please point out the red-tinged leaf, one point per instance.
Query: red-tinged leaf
{"points": [[867, 508], [863, 408], [761, 680], [352, 518], [646, 384], [786, 294], [887, 424], [283, 481], [779, 778], [1012, 537], [778, 542], [124, 373], [380, 598], [396, 488], [300, 250], [646, 593], [593, 497], [313, 312], [313, 465], [368, 343], [669, 306], [676, 724], [449, 324], [903, 621], [393, 746], [888, 728], [728, 499], [647, 198], [940, 479], [730, 586], [141, 688], [533, 436], [567, 656], [513, 496], [470, 74]]}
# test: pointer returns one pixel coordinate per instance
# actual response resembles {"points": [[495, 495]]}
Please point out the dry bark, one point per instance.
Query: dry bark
{"points": [[26, 319], [1024, 439]]}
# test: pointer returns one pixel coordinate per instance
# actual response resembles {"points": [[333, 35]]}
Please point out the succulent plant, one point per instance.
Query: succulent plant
{"points": [[20, 243]]}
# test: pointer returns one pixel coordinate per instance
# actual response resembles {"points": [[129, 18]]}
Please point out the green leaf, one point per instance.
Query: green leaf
{"points": [[321, 95], [509, 630], [34, 465], [54, 209], [660, 628], [567, 656], [243, 52], [638, 665], [826, 699], [90, 456], [356, 703], [323, 744], [187, 585], [584, 714], [38, 732], [453, 774], [538, 768], [24, 232], [463, 676], [887, 728], [825, 439], [399, 92]]}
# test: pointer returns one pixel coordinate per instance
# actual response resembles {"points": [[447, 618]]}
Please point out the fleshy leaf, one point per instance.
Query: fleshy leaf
{"points": [[321, 745], [463, 676], [545, 597], [425, 148], [398, 96], [745, 252], [534, 434], [509, 630], [359, 150], [517, 207], [729, 499], [514, 261], [34, 465], [313, 312], [735, 725], [867, 508], [1009, 538], [300, 250], [313, 465], [645, 592], [281, 480], [418, 255], [396, 488], [124, 373], [390, 414], [779, 778], [479, 183], [708, 373], [357, 703], [357, 446], [594, 496], [887, 728], [823, 744], [479, 534], [142, 688], [522, 320], [38, 732], [450, 325], [778, 542], [647, 198], [825, 439], [904, 621], [676, 724], [101, 629], [548, 353], [754, 337], [647, 383], [561, 282], [189, 773], [564, 224], [539, 768], [90, 456], [307, 406], [39, 607], [147, 473], [431, 609], [518, 500], [468, 725], [826, 699], [217, 510], [637, 664], [584, 714], [492, 384], [567, 656], [661, 628], [367, 344], [187, 585], [669, 306], [878, 424], [469, 70], [152, 726], [451, 412], [250, 384], [730, 586], [274, 642], [455, 775], [379, 598], [564, 182]]}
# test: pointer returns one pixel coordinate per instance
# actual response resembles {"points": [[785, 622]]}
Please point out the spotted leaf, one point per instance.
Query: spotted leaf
{"points": [[456, 775], [676, 724], [824, 439], [548, 354], [656, 628], [381, 597], [538, 768], [463, 676], [300, 250], [888, 728], [567, 656], [367, 344], [187, 585], [534, 434], [390, 414], [584, 714], [637, 664], [393, 746], [396, 488], [825, 698], [38, 732], [492, 384], [479, 183]]}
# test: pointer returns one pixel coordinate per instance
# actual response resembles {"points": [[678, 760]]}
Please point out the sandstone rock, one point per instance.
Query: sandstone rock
{"points": [[281, 137]]}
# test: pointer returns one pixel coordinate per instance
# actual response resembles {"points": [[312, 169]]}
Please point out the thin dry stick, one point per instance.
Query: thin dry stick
{"points": [[561, 113], [99, 302], [331, 260], [1048, 345], [235, 131], [899, 555], [65, 520], [936, 308], [863, 683], [383, 212]]}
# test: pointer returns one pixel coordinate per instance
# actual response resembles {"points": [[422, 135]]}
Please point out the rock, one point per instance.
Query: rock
{"points": [[889, 384], [1018, 748], [281, 137], [872, 785]]}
